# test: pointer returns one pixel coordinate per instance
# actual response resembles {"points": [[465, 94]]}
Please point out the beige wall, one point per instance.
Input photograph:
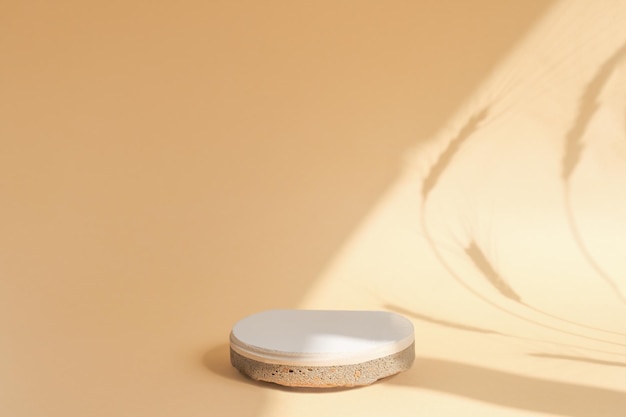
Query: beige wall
{"points": [[167, 168]]}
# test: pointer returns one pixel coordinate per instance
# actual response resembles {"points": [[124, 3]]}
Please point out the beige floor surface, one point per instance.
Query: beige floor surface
{"points": [[167, 168]]}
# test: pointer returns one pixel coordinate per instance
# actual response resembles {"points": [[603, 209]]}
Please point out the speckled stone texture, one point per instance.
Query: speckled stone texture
{"points": [[363, 373]]}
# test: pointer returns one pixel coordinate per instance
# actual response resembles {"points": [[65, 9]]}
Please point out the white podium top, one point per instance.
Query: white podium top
{"points": [[321, 337]]}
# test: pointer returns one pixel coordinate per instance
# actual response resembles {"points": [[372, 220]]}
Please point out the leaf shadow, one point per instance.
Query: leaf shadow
{"points": [[574, 148], [480, 260]]}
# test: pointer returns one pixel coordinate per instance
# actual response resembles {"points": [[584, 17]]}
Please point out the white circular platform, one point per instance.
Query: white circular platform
{"points": [[321, 337]]}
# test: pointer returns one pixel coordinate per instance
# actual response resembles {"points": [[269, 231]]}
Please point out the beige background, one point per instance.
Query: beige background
{"points": [[167, 168]]}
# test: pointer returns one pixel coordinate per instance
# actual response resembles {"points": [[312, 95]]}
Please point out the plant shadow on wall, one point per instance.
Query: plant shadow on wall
{"points": [[472, 249], [507, 388], [470, 328], [574, 147]]}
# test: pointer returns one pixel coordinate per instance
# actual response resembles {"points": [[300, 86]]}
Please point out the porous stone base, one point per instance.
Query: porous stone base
{"points": [[325, 376]]}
